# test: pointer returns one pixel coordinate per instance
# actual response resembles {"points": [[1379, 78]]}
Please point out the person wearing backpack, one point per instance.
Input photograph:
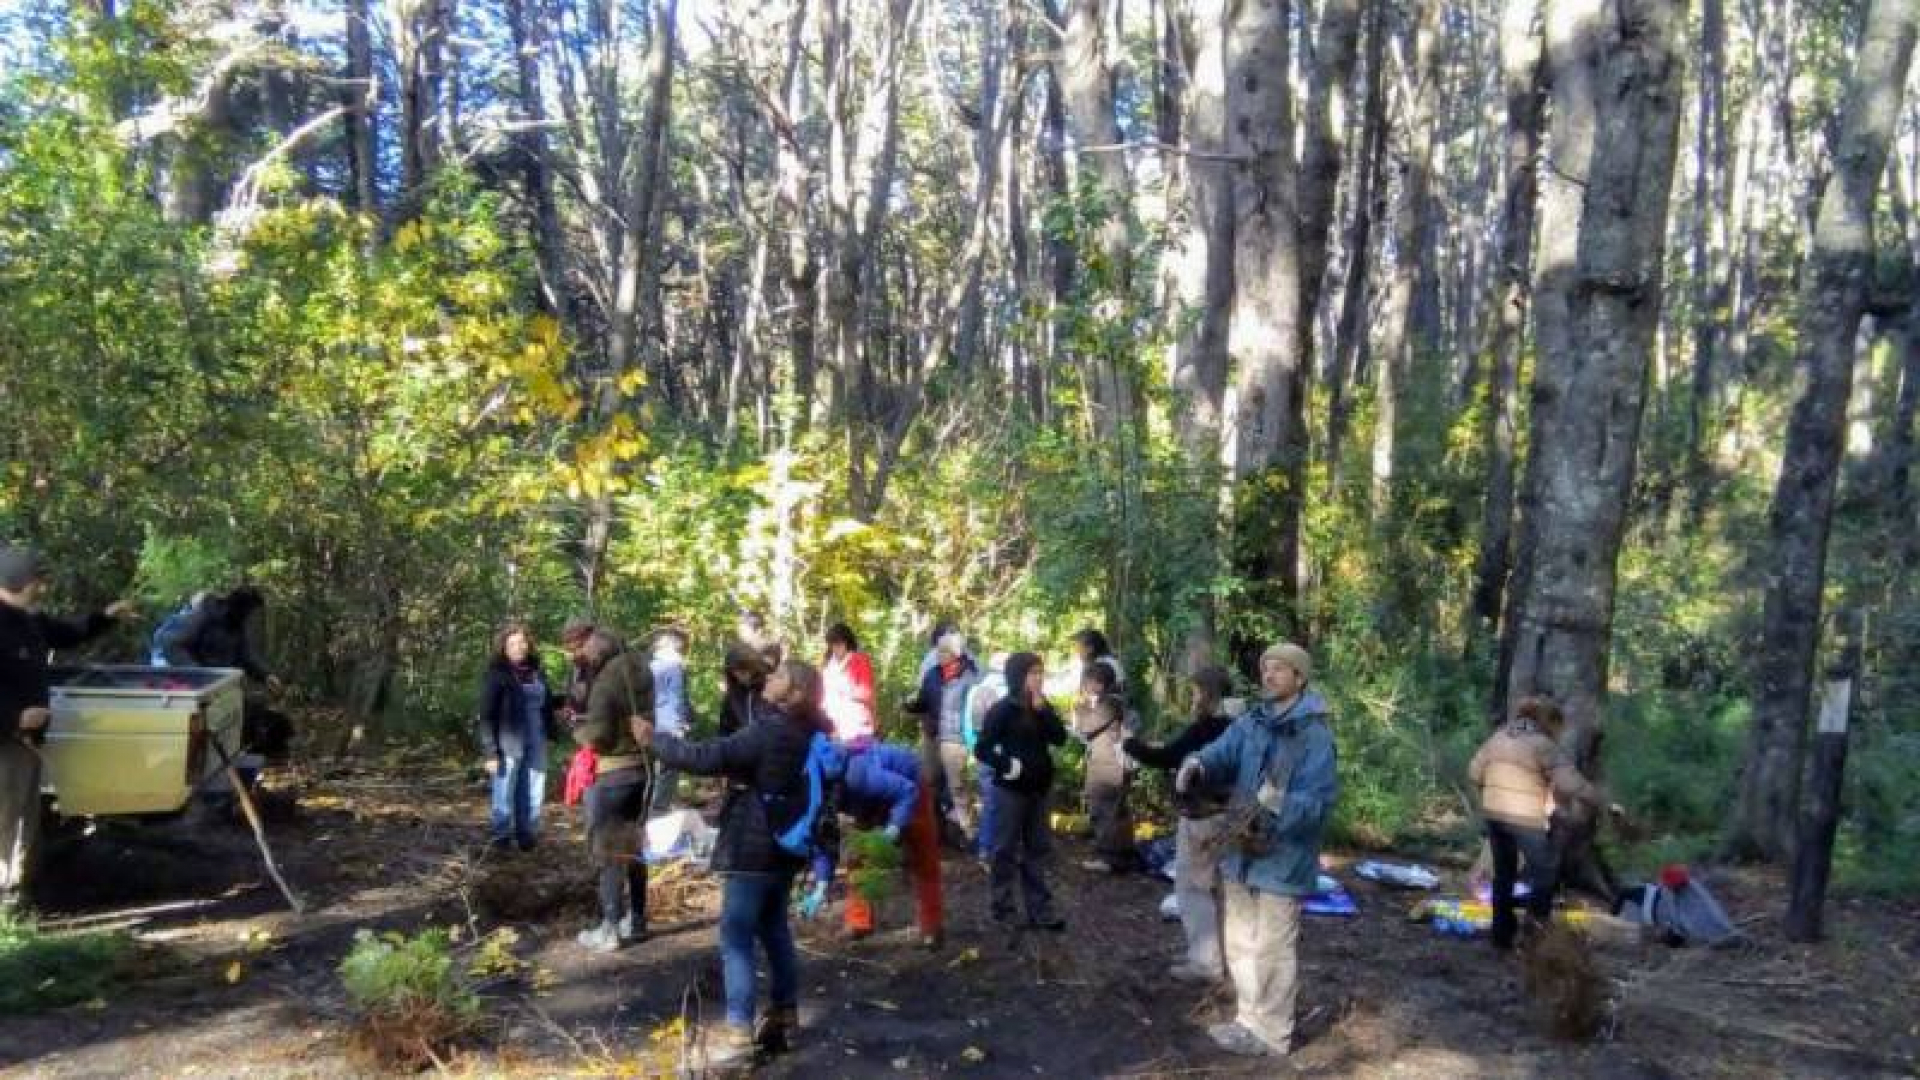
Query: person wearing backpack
{"points": [[1277, 761], [881, 788], [1102, 721], [619, 699], [1196, 860], [1016, 743], [766, 762]]}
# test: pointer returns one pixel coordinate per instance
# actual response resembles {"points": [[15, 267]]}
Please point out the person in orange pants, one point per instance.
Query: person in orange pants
{"points": [[882, 788]]}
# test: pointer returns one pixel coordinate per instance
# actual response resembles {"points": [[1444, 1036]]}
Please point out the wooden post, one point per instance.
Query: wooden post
{"points": [[1820, 809], [259, 829]]}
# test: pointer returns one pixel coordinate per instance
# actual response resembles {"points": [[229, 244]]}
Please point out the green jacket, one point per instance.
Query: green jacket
{"points": [[622, 689]]}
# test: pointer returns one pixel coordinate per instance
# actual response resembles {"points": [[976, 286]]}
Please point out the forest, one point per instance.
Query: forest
{"points": [[1487, 349]]}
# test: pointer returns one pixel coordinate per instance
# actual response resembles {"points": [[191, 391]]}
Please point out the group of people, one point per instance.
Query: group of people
{"points": [[211, 631], [1255, 791]]}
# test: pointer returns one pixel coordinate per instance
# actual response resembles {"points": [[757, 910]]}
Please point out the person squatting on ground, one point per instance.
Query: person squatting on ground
{"points": [[1101, 720], [1016, 743], [847, 678], [671, 713], [881, 788], [622, 690], [26, 636], [1519, 771], [765, 762], [941, 705], [1196, 858], [516, 713], [1278, 762]]}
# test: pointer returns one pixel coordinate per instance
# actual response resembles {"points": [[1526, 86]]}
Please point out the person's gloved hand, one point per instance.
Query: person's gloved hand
{"points": [[1013, 769], [815, 899], [892, 833], [1190, 774]]}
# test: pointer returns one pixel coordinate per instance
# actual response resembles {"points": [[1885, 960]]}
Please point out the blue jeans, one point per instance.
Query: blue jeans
{"points": [[519, 787], [988, 816], [753, 908]]}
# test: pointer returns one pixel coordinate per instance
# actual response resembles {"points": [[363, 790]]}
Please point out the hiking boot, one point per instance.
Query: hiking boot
{"points": [[727, 1047], [604, 938], [1235, 1038], [1194, 973], [779, 1030]]}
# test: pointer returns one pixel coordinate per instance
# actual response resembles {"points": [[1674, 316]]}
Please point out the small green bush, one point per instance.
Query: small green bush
{"points": [[413, 1000], [43, 971]]}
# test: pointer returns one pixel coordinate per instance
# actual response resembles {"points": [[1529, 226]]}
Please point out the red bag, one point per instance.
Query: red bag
{"points": [[580, 773]]}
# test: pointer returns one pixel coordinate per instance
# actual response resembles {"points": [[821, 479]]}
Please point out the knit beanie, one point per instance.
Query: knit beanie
{"points": [[1291, 655]]}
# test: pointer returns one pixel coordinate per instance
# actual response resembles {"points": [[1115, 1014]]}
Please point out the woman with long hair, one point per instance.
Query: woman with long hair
{"points": [[516, 712]]}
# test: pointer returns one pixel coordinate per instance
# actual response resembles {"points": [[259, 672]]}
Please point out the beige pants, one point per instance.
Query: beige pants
{"points": [[19, 816], [1263, 933], [1196, 880], [953, 761]]}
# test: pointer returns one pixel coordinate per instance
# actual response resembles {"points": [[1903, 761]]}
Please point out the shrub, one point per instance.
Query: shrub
{"points": [[413, 1002], [43, 971]]}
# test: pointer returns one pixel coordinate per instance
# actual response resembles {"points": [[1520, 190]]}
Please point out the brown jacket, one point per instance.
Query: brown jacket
{"points": [[1521, 773], [621, 690]]}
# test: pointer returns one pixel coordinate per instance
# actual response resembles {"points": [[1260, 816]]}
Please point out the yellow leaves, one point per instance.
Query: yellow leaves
{"points": [[494, 958], [631, 381], [235, 972]]}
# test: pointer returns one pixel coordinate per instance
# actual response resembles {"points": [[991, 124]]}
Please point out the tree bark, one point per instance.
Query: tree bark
{"points": [[535, 167], [1203, 265], [1368, 205], [1084, 65], [1833, 299], [1711, 207], [360, 121], [1615, 68], [1523, 80], [1265, 440], [1400, 311]]}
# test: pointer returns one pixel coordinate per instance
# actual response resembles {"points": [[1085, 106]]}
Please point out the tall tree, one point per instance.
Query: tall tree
{"points": [[1367, 206], [362, 118], [1832, 301], [1615, 68], [1523, 74], [1400, 313]]}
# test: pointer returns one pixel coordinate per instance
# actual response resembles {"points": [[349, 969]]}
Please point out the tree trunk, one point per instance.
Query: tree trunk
{"points": [[1203, 266], [1084, 66], [1369, 205], [1523, 80], [418, 30], [361, 121], [1833, 299], [1711, 207], [1400, 312], [1615, 68], [643, 172], [1265, 441], [535, 171]]}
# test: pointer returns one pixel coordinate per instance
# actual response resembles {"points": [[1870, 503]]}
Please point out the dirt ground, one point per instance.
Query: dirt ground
{"points": [[237, 986]]}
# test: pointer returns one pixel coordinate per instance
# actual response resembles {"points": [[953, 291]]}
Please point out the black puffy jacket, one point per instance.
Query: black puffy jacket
{"points": [[766, 760], [25, 638]]}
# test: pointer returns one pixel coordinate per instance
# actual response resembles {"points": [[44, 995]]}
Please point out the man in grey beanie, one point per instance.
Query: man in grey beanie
{"points": [[26, 636]]}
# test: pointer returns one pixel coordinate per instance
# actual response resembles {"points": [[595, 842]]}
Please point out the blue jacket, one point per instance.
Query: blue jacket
{"points": [[882, 781], [1242, 756]]}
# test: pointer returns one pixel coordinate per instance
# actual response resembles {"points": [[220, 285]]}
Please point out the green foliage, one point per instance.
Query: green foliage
{"points": [[39, 970], [397, 973], [876, 863]]}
